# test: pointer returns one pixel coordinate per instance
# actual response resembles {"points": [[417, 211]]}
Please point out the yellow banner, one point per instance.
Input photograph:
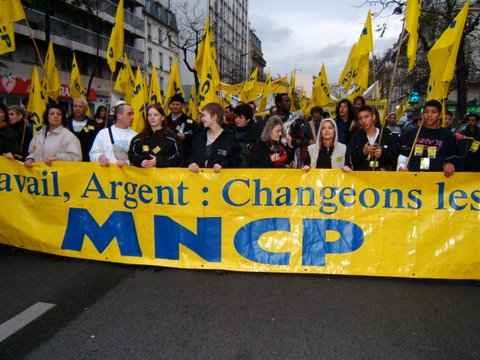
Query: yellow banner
{"points": [[322, 222]]}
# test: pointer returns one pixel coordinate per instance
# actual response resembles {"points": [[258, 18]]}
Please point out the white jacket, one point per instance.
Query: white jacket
{"points": [[339, 149], [102, 144]]}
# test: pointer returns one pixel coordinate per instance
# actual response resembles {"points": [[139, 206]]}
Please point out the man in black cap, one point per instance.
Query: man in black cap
{"points": [[181, 124]]}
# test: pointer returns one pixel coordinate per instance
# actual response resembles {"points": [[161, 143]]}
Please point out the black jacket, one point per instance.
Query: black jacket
{"points": [[22, 133], [7, 141], [86, 136], [188, 128], [469, 150], [441, 140], [219, 152], [245, 139], [160, 144], [261, 155], [359, 161]]}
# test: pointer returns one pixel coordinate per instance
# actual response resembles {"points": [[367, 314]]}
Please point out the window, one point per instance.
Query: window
{"points": [[160, 61], [149, 31], [160, 36], [149, 55]]}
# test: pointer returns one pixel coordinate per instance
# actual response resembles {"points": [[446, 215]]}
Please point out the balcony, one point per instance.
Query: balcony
{"points": [[81, 35], [110, 8], [165, 16]]}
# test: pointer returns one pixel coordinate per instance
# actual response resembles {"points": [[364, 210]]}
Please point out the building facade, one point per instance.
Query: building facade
{"points": [[84, 27], [161, 35], [255, 55]]}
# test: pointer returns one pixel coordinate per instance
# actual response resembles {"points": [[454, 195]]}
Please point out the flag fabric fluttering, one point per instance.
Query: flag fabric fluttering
{"points": [[206, 67], [77, 90], [37, 100], [138, 102], [52, 76], [155, 91], [442, 57], [125, 81], [292, 90], [267, 94], [356, 69], [248, 92], [412, 21], [321, 89], [11, 12], [117, 38], [174, 81]]}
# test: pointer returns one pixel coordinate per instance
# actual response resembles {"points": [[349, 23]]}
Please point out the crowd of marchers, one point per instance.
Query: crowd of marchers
{"points": [[352, 139]]}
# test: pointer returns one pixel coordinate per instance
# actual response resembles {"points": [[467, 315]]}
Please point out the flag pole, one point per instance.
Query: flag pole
{"points": [[414, 142], [37, 50]]}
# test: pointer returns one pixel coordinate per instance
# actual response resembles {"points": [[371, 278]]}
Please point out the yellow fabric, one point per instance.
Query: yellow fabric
{"points": [[321, 89], [174, 82], [208, 76], [37, 99], [77, 89], [249, 92], [412, 23], [52, 76], [155, 93], [442, 57], [267, 93], [125, 81], [117, 38], [11, 12], [138, 102], [286, 221]]}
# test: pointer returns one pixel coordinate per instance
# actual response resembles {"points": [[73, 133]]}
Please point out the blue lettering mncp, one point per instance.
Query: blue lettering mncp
{"points": [[316, 246], [246, 241], [207, 243], [120, 225]]}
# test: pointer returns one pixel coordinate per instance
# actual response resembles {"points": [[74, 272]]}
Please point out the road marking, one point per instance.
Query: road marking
{"points": [[18, 322]]}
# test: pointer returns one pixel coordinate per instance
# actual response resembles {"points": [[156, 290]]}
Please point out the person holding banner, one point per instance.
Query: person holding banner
{"points": [[246, 132], [84, 128], [7, 138], [327, 152], [430, 147], [181, 124], [371, 148], [271, 152], [54, 141], [111, 144], [21, 131], [156, 145], [212, 147]]}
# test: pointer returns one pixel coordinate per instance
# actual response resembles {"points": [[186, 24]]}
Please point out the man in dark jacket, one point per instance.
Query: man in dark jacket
{"points": [[82, 126], [181, 124]]}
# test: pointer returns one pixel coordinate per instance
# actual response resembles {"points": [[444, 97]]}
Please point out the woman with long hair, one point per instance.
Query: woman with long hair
{"points": [[212, 147], [156, 145], [54, 141], [327, 152], [270, 152]]}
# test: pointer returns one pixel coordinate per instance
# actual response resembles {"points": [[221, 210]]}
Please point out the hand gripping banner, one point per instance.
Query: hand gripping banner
{"points": [[415, 225]]}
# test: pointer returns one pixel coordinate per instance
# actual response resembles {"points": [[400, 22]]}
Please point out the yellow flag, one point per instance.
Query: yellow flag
{"points": [[442, 57], [76, 87], [125, 81], [52, 76], [346, 76], [321, 89], [138, 102], [12, 11], [192, 105], [248, 92], [412, 21], [365, 42], [208, 77], [174, 81], [205, 46], [7, 38], [267, 93], [155, 93], [116, 42], [37, 100]]}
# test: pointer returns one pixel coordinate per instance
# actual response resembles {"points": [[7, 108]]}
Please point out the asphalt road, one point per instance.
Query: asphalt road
{"points": [[108, 311]]}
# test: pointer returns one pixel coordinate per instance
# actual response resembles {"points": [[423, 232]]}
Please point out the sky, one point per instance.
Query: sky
{"points": [[303, 34]]}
